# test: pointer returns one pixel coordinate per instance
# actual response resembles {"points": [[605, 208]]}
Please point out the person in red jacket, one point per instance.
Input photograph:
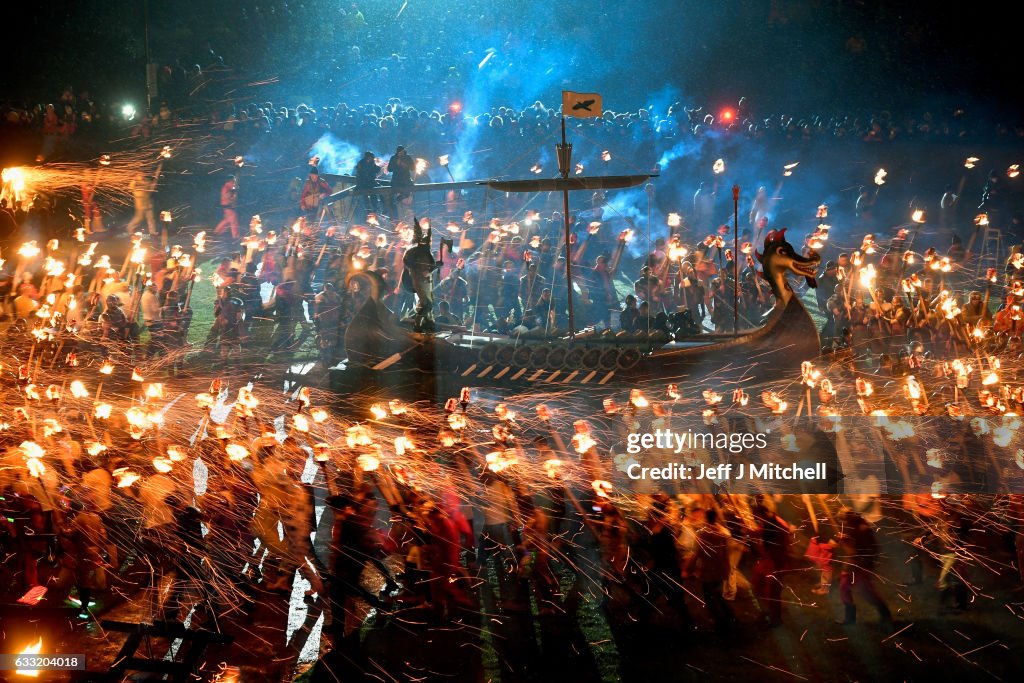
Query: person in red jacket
{"points": [[229, 203], [314, 192]]}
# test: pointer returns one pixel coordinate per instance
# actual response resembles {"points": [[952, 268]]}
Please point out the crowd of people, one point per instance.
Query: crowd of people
{"points": [[508, 276], [643, 135], [118, 510], [123, 502]]}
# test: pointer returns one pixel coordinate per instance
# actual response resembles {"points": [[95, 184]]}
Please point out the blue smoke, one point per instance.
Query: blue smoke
{"points": [[632, 204], [336, 156]]}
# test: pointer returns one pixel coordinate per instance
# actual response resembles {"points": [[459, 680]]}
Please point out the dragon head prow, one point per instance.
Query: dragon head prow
{"points": [[779, 257]]}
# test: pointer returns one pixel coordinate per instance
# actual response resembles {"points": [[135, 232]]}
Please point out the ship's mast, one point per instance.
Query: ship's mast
{"points": [[564, 153]]}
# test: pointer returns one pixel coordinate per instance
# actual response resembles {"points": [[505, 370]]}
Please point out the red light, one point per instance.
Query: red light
{"points": [[455, 107], [727, 115]]}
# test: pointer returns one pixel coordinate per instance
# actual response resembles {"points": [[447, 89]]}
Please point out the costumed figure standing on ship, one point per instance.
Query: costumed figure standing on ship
{"points": [[417, 276]]}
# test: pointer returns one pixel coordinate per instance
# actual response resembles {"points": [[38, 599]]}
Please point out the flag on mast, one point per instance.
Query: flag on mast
{"points": [[581, 104]]}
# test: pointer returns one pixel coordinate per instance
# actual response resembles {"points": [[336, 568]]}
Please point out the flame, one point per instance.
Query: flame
{"points": [[125, 477], [421, 166], [33, 649], [103, 410], [51, 427], [581, 440], [29, 250], [378, 411], [602, 488], [358, 435], [718, 167], [403, 444], [14, 178], [867, 276], [31, 450], [971, 162], [503, 413], [137, 255], [826, 393], [138, 418], [174, 455], [711, 398], [457, 421], [880, 177], [637, 399], [809, 373], [551, 467], [949, 306], [498, 461], [300, 423], [787, 170], [53, 267], [236, 451], [917, 216], [676, 251], [319, 415], [1013, 171], [367, 462], [162, 465]]}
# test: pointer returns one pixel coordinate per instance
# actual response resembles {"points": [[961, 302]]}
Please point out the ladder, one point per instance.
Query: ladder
{"points": [[991, 252]]}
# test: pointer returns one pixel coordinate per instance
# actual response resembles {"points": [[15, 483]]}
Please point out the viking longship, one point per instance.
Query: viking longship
{"points": [[385, 355]]}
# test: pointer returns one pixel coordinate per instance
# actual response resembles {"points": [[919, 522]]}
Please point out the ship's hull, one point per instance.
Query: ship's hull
{"points": [[423, 367]]}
